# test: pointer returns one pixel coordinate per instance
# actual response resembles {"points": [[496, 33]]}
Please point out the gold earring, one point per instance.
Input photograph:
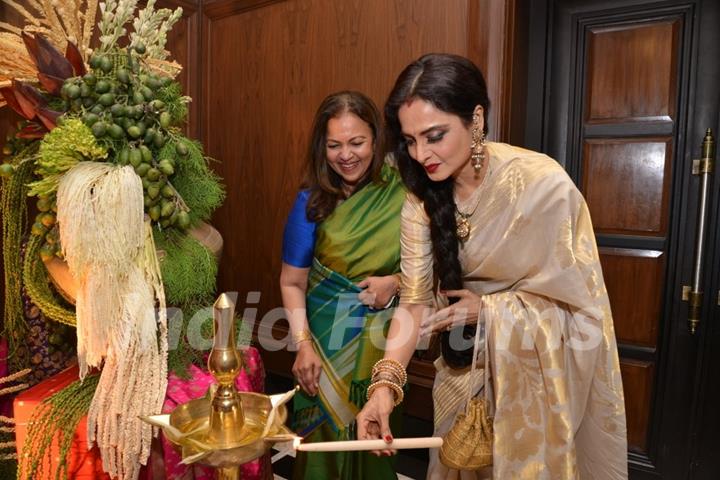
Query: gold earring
{"points": [[477, 149]]}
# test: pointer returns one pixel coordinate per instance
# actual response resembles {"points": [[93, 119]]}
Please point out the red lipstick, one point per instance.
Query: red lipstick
{"points": [[432, 167]]}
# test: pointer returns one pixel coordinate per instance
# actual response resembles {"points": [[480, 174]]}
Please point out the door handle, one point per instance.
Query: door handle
{"points": [[704, 167]]}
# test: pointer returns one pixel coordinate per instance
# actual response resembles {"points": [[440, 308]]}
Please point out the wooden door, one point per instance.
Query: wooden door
{"points": [[621, 94]]}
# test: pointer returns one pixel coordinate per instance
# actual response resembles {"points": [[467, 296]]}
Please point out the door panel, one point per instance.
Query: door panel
{"points": [[638, 383], [628, 89], [634, 279], [626, 183], [640, 60]]}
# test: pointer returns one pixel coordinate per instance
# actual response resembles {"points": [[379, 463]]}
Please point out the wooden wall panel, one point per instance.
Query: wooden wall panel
{"points": [[626, 182], [632, 60], [638, 380], [634, 281], [491, 45]]}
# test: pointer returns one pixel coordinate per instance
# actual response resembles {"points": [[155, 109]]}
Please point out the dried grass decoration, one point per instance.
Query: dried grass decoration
{"points": [[110, 251]]}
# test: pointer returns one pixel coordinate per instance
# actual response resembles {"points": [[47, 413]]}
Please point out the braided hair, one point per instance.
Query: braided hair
{"points": [[454, 85]]}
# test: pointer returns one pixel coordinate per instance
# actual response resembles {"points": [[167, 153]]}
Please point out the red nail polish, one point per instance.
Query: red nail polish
{"points": [[388, 439]]}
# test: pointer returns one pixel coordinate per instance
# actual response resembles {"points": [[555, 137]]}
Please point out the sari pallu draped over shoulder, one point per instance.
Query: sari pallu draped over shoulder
{"points": [[532, 258], [359, 239]]}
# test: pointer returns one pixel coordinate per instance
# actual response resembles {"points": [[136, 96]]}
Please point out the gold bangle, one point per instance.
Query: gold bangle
{"points": [[395, 368], [397, 390], [389, 376], [388, 364], [398, 376], [302, 336]]}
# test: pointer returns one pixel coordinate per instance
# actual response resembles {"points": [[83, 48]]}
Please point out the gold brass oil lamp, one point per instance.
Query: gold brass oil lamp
{"points": [[226, 428]]}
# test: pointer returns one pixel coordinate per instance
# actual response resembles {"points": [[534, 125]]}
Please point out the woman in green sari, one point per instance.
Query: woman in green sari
{"points": [[339, 280]]}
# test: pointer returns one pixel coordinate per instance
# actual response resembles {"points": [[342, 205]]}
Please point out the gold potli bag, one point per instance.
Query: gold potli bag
{"points": [[469, 443]]}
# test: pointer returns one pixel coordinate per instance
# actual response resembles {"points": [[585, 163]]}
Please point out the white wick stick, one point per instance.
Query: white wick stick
{"points": [[357, 445]]}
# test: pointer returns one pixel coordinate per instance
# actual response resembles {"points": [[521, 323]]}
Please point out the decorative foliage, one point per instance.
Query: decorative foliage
{"points": [[114, 15], [101, 147], [62, 149], [117, 101], [13, 208], [151, 29], [36, 283], [188, 268], [111, 252], [199, 186], [60, 21], [100, 249], [51, 69], [176, 104], [7, 425], [58, 414], [15, 63], [12, 378]]}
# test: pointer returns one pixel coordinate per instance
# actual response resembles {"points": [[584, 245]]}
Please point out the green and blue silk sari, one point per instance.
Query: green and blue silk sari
{"points": [[361, 238]]}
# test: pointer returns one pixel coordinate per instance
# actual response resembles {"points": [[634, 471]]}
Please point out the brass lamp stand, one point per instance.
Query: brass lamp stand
{"points": [[226, 428]]}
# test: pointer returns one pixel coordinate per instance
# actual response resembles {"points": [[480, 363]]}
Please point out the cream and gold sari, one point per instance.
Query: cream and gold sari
{"points": [[555, 377]]}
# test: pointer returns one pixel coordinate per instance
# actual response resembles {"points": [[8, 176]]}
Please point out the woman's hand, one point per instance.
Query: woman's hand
{"points": [[378, 290], [373, 421], [464, 311], [307, 368]]}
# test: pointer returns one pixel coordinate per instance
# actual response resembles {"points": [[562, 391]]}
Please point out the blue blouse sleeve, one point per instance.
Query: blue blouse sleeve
{"points": [[299, 236]]}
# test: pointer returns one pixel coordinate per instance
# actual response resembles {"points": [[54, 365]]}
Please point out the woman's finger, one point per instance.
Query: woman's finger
{"points": [[385, 431], [438, 316], [362, 433], [367, 297], [309, 380], [314, 377], [363, 284], [457, 293], [441, 326], [374, 434], [301, 382], [317, 370]]}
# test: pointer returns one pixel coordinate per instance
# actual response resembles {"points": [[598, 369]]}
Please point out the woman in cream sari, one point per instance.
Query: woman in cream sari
{"points": [[509, 238]]}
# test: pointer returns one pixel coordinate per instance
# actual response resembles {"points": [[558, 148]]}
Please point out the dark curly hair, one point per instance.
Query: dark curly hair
{"points": [[324, 183], [454, 85]]}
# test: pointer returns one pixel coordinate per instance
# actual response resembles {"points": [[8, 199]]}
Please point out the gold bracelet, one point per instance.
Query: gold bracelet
{"points": [[398, 376], [395, 376], [302, 336], [388, 364], [397, 390], [389, 376]]}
